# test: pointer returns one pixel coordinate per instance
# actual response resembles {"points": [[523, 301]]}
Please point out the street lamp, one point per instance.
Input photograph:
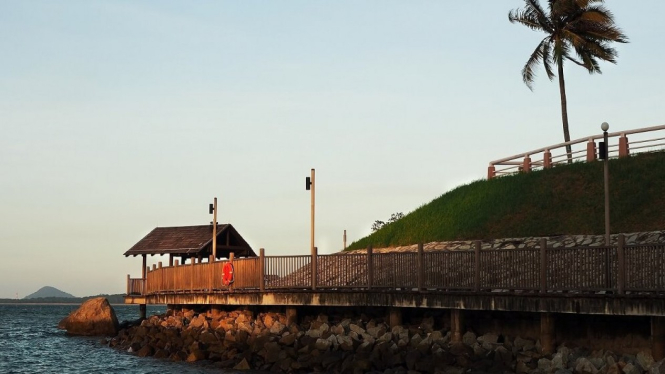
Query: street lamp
{"points": [[604, 155], [212, 209], [309, 186]]}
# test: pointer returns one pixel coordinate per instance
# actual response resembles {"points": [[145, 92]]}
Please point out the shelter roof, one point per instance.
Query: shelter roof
{"points": [[192, 241]]}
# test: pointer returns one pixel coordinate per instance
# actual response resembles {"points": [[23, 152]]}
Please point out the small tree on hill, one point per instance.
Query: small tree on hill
{"points": [[377, 225]]}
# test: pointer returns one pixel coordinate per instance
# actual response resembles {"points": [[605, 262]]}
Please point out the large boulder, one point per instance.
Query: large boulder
{"points": [[94, 317]]}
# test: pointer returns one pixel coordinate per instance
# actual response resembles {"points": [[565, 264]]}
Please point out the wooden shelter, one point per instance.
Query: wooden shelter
{"points": [[193, 242]]}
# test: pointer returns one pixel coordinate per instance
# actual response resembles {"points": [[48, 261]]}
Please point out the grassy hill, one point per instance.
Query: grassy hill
{"points": [[567, 199]]}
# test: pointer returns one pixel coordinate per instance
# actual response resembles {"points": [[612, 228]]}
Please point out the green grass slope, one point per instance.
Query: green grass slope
{"points": [[566, 199]]}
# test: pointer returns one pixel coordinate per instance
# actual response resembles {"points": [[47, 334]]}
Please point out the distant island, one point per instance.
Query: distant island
{"points": [[52, 295], [48, 291]]}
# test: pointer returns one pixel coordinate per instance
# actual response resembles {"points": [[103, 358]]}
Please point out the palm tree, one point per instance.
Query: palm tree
{"points": [[584, 27]]}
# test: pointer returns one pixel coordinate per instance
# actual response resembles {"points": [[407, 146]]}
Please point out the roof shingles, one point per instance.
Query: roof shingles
{"points": [[179, 240]]}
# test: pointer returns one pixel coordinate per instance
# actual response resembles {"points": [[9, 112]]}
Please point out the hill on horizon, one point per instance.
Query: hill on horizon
{"points": [[48, 291]]}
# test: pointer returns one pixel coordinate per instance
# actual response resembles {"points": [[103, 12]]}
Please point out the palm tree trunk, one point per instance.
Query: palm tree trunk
{"points": [[564, 110]]}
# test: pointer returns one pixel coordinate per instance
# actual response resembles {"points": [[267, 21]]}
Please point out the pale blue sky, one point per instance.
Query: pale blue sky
{"points": [[119, 116]]}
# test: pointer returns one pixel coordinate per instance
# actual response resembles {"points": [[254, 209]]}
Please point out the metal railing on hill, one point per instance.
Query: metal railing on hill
{"points": [[645, 139], [616, 270]]}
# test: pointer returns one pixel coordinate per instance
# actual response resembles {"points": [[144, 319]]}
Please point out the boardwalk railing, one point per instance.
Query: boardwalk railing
{"points": [[584, 149], [616, 270], [135, 286]]}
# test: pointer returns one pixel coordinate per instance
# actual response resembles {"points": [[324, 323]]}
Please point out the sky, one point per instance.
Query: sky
{"points": [[120, 116]]}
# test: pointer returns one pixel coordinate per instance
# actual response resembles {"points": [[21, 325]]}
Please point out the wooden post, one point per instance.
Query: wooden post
{"points": [[623, 146], [142, 311], [526, 165], [144, 271], [543, 265], [159, 265], [476, 281], [421, 267], [214, 230], [154, 267], [370, 267], [547, 159], [262, 270], [456, 325], [231, 256], [176, 263], [491, 172], [128, 280], [314, 269], [345, 240], [547, 339], [591, 150], [171, 259], [621, 261]]}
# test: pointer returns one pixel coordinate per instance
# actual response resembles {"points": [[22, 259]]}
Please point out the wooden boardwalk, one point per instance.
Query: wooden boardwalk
{"points": [[616, 280]]}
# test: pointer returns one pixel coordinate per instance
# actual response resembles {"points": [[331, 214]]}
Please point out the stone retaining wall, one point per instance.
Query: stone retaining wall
{"points": [[554, 241]]}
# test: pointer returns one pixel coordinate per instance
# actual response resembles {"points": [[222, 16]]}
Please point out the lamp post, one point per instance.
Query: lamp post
{"points": [[310, 185], [604, 150], [212, 209]]}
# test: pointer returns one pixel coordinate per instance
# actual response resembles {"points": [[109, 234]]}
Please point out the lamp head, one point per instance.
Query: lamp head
{"points": [[605, 126]]}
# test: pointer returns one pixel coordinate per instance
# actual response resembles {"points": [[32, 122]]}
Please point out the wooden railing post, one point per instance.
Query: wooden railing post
{"points": [[526, 164], [477, 266], [547, 159], [623, 146], [231, 256], [591, 150], [315, 255], [262, 270], [543, 265], [370, 267], [421, 267], [621, 260], [128, 288]]}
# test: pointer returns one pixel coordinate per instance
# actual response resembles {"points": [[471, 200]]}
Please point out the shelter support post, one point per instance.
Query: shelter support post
{"points": [[547, 339], [456, 325], [143, 274]]}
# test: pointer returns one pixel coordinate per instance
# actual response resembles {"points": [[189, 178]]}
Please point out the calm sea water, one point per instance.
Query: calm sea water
{"points": [[30, 342]]}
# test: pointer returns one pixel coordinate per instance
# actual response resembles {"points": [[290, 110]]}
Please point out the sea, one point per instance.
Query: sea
{"points": [[30, 342]]}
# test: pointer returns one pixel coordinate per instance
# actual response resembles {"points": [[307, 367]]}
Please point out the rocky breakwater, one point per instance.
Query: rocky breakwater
{"points": [[237, 340]]}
